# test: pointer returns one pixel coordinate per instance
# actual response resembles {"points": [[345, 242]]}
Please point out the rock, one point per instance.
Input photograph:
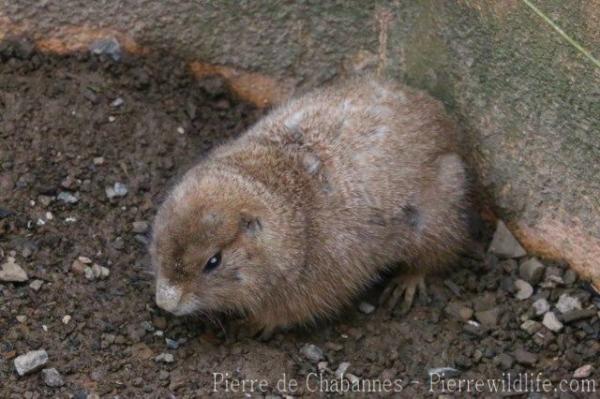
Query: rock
{"points": [[540, 306], [52, 377], [21, 318], [36, 284], [524, 357], [312, 353], [171, 343], [10, 271], [459, 311], [322, 366], [107, 46], [164, 358], [504, 244], [532, 270], [117, 102], [488, 318], [67, 197], [567, 303], [570, 277], [140, 227], [583, 371], [66, 319], [578, 314], [78, 267], [98, 161], [366, 308], [524, 289], [443, 372], [341, 370], [504, 360], [531, 326], [4, 213], [89, 274], [84, 259], [117, 190], [30, 362], [354, 380], [551, 322]]}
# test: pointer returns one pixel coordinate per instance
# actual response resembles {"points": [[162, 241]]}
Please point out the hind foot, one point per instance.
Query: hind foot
{"points": [[404, 286]]}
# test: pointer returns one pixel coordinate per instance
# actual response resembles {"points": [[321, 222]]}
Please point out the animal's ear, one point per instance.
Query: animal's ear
{"points": [[250, 223]]}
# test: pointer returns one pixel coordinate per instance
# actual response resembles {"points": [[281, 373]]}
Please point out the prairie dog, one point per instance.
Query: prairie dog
{"points": [[290, 221]]}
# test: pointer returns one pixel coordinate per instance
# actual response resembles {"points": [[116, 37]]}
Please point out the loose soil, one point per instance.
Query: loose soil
{"points": [[58, 117]]}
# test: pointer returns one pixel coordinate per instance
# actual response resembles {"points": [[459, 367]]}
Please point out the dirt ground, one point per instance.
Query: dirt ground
{"points": [[71, 127]]}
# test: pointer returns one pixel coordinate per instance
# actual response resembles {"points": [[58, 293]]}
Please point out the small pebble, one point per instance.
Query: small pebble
{"points": [[578, 314], [524, 357], [21, 318], [366, 308], [111, 118], [312, 353], [551, 322], [540, 306], [570, 277], [322, 366], [164, 358], [341, 370], [567, 303], [443, 372], [84, 259], [583, 371], [459, 311], [504, 360], [488, 318], [66, 319], [52, 377], [140, 226], [30, 361], [523, 288], [98, 161], [117, 190], [504, 244], [531, 326], [67, 197], [171, 343], [180, 130], [531, 270], [10, 271], [117, 102]]}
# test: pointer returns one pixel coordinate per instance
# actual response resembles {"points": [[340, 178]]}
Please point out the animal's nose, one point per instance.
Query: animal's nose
{"points": [[167, 296]]}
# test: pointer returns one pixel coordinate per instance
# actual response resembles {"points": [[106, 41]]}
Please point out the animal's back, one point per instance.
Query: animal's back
{"points": [[389, 186]]}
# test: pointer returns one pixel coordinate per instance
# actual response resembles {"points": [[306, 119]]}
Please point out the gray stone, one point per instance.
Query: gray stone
{"points": [[504, 244], [10, 271], [524, 289], [567, 303], [30, 362], [504, 360], [443, 372], [551, 322], [583, 371], [488, 318], [531, 326], [366, 308], [524, 357], [578, 314], [531, 270], [117, 102], [164, 358], [459, 311], [52, 377], [36, 285], [107, 46], [570, 277], [140, 226], [67, 197], [117, 190], [540, 306], [341, 370], [312, 353]]}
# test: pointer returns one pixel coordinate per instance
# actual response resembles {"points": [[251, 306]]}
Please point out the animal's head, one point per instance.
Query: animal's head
{"points": [[221, 243]]}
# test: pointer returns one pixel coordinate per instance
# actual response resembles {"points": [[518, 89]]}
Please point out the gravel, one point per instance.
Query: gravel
{"points": [[116, 191], [30, 361], [52, 377], [504, 244], [67, 197], [312, 352], [551, 322], [524, 290], [164, 358], [567, 303], [36, 284], [584, 371], [532, 271], [11, 271], [540, 306], [366, 308], [140, 226]]}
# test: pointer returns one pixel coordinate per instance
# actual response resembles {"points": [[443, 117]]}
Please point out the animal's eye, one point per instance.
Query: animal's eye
{"points": [[213, 262]]}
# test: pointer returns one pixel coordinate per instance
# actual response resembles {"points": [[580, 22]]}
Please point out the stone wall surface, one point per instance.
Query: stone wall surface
{"points": [[527, 100]]}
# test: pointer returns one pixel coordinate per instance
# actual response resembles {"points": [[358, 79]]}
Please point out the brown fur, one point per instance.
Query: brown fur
{"points": [[345, 182]]}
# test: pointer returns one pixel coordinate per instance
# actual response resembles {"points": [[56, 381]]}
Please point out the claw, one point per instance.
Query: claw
{"points": [[405, 287]]}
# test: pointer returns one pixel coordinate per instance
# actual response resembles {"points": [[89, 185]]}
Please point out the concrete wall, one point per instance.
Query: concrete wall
{"points": [[528, 101]]}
